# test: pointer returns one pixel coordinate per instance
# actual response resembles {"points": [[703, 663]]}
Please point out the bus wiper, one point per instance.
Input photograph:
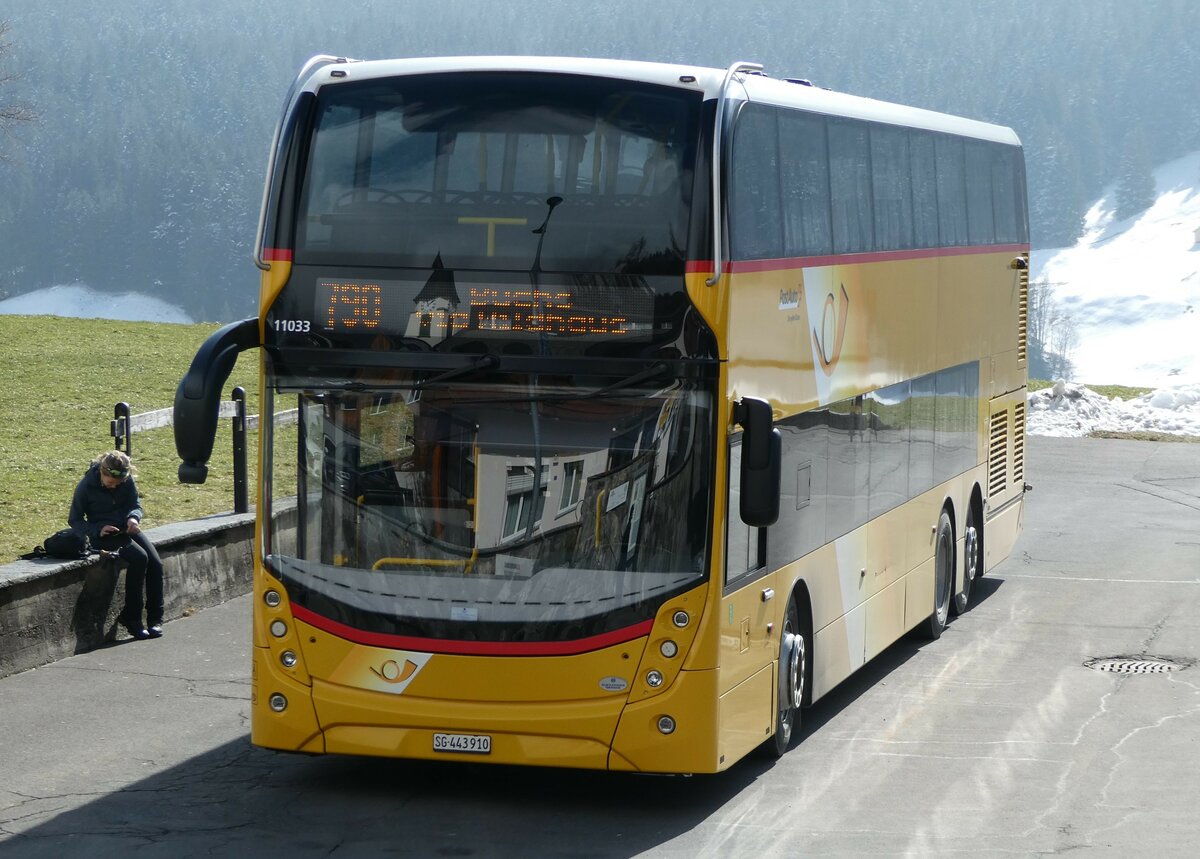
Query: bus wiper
{"points": [[654, 371], [483, 362], [354, 386]]}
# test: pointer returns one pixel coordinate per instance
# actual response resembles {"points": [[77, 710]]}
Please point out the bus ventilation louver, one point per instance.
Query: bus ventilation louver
{"points": [[1019, 443], [998, 454], [1023, 316]]}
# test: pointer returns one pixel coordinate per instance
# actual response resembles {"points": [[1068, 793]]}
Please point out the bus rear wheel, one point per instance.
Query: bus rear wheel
{"points": [[793, 668], [972, 562], [943, 579]]}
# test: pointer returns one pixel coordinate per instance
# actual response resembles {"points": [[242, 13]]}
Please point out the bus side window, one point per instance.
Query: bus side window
{"points": [[756, 230], [745, 546]]}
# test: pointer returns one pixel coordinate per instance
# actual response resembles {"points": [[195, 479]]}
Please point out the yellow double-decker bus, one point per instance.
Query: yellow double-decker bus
{"points": [[637, 405]]}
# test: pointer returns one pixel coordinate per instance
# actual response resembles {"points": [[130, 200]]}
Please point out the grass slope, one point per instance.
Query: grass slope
{"points": [[61, 379]]}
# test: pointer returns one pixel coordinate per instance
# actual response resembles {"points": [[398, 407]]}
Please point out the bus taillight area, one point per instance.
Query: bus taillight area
{"points": [[629, 706]]}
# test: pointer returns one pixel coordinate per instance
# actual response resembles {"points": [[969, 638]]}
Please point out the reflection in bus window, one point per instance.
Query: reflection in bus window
{"points": [[420, 492]]}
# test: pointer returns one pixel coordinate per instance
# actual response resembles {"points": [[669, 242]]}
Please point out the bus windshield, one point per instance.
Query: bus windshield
{"points": [[518, 510], [500, 172]]}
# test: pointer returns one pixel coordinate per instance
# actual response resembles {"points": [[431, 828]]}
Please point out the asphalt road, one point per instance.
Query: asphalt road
{"points": [[997, 740]]}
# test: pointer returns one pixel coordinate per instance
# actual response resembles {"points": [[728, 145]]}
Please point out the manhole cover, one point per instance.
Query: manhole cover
{"points": [[1138, 664]]}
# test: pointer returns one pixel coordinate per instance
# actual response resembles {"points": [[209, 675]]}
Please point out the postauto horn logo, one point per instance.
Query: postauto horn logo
{"points": [[829, 337], [390, 671]]}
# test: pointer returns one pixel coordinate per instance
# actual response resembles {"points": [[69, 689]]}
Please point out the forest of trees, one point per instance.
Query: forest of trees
{"points": [[143, 168]]}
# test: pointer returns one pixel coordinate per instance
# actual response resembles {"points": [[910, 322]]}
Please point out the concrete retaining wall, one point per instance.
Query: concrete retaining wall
{"points": [[51, 609]]}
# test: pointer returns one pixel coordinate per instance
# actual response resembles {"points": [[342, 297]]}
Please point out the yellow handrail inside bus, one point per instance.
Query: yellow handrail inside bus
{"points": [[491, 224], [467, 564]]}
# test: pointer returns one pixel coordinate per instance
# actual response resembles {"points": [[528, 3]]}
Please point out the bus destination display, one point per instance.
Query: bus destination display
{"points": [[389, 307]]}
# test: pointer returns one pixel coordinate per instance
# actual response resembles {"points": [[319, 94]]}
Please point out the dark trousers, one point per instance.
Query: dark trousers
{"points": [[143, 579]]}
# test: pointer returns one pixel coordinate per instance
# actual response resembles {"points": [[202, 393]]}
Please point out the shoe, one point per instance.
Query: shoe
{"points": [[134, 628], [138, 632], [155, 631]]}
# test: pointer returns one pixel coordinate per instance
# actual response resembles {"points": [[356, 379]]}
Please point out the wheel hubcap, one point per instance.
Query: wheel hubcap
{"points": [[793, 689], [972, 554]]}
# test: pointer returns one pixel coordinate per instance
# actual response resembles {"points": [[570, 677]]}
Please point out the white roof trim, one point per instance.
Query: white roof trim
{"points": [[757, 88]]}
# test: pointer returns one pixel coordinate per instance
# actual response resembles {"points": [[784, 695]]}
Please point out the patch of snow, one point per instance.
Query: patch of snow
{"points": [[83, 302], [1070, 410]]}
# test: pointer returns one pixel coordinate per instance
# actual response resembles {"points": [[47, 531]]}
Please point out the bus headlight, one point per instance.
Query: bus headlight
{"points": [[668, 649], [272, 598], [681, 619], [666, 725], [278, 628], [654, 679], [288, 658], [278, 703]]}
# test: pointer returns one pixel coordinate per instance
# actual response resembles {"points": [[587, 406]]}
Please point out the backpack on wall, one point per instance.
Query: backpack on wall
{"points": [[67, 544]]}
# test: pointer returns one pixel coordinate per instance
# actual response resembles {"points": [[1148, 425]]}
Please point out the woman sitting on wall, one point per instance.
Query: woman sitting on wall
{"points": [[106, 509]]}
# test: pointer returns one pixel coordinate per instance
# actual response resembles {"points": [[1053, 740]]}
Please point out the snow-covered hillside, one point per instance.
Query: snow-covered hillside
{"points": [[1132, 290], [1133, 287]]}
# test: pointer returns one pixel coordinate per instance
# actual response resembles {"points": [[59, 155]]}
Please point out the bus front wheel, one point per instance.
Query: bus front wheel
{"points": [[793, 668]]}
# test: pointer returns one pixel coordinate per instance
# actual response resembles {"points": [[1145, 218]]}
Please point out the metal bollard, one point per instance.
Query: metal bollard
{"points": [[120, 429]]}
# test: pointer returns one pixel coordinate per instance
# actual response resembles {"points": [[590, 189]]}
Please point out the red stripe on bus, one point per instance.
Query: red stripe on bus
{"points": [[743, 266], [277, 254], [474, 648]]}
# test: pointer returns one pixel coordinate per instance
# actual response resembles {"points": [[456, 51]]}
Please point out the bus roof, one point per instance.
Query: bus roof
{"points": [[787, 92]]}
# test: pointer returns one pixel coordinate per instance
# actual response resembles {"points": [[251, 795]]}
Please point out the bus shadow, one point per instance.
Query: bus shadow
{"points": [[237, 799], [983, 590], [853, 687]]}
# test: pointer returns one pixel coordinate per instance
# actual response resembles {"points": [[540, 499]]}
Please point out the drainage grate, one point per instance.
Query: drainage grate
{"points": [[1138, 664]]}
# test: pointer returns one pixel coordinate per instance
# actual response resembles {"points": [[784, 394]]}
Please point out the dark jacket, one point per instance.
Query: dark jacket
{"points": [[93, 506]]}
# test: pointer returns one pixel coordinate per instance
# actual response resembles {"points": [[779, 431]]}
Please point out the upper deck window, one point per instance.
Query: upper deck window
{"points": [[848, 186], [500, 171]]}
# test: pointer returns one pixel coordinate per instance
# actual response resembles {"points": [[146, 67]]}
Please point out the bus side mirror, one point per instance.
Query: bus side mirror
{"points": [[762, 462], [198, 397]]}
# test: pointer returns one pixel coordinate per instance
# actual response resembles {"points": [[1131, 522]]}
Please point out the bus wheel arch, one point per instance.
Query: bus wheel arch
{"points": [[972, 560]]}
